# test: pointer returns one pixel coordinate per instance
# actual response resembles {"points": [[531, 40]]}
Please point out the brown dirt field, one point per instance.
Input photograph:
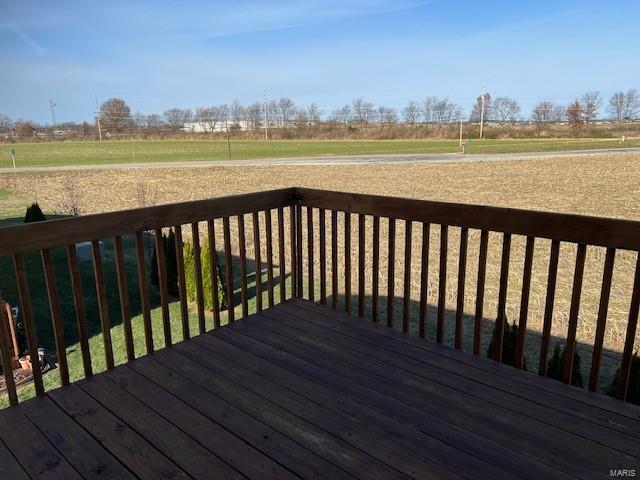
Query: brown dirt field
{"points": [[602, 186]]}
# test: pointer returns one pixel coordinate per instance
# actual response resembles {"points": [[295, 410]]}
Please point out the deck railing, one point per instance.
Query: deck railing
{"points": [[279, 237]]}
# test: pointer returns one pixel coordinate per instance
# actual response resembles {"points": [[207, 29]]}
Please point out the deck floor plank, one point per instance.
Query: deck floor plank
{"points": [[303, 391]]}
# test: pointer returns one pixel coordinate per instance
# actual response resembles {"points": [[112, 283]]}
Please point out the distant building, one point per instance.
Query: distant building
{"points": [[210, 127]]}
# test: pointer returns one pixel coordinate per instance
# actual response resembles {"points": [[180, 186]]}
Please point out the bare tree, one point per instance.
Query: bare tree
{"points": [[545, 112], [504, 109], [477, 109], [313, 114], [387, 115], [237, 112], [115, 115], [301, 118], [363, 112], [285, 111], [177, 117], [576, 114], [410, 113], [590, 103], [255, 115], [154, 120], [624, 106], [342, 115], [444, 111]]}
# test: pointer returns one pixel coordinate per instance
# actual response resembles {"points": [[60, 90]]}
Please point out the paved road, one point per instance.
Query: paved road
{"points": [[387, 159]]}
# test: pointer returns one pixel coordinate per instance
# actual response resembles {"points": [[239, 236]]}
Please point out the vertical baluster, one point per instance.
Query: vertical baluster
{"points": [[182, 284], [299, 261], [103, 306], [310, 259], [56, 315], [243, 266], [391, 268], [567, 367], [228, 269], [607, 275], [375, 268], [323, 258], [524, 301], [144, 292], [482, 270], [269, 235], [5, 358], [632, 323], [407, 276], [462, 273], [548, 309], [501, 319], [78, 300], [361, 254], [282, 271], [294, 250], [347, 262], [162, 280], [442, 283], [197, 264], [213, 267], [424, 278], [125, 307], [334, 259], [258, 260]]}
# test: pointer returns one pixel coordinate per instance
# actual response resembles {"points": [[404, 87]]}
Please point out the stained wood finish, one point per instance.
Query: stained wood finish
{"points": [[197, 264], [632, 324], [361, 262], [524, 301], [123, 292], [269, 235], [408, 233], [323, 256], [462, 272], [214, 269], [303, 391], [548, 308], [442, 283], [570, 348], [258, 260], [62, 232], [162, 280], [347, 262], [391, 268], [242, 247], [607, 275], [78, 301], [182, 284], [293, 250], [424, 279], [282, 270], [334, 259], [5, 358], [299, 261], [501, 320], [310, 257], [226, 228], [375, 267], [103, 306], [482, 273], [144, 292], [56, 316]]}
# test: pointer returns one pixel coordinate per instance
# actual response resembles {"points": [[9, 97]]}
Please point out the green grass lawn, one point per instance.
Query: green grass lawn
{"points": [[42, 318], [95, 153]]}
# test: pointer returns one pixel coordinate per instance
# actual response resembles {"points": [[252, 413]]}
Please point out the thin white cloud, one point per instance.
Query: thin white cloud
{"points": [[27, 39]]}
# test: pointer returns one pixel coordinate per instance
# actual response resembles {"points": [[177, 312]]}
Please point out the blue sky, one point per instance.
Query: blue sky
{"points": [[162, 54]]}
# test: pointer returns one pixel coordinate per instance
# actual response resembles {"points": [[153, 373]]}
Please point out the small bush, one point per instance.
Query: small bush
{"points": [[556, 363], [190, 276], [633, 391], [34, 214], [171, 264], [509, 343]]}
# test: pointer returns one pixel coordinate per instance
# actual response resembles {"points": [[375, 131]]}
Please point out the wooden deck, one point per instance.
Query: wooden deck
{"points": [[303, 391]]}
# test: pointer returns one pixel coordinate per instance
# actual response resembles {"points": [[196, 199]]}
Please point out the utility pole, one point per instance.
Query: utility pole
{"points": [[98, 120], [52, 106], [266, 119], [482, 115], [226, 122], [460, 145]]}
